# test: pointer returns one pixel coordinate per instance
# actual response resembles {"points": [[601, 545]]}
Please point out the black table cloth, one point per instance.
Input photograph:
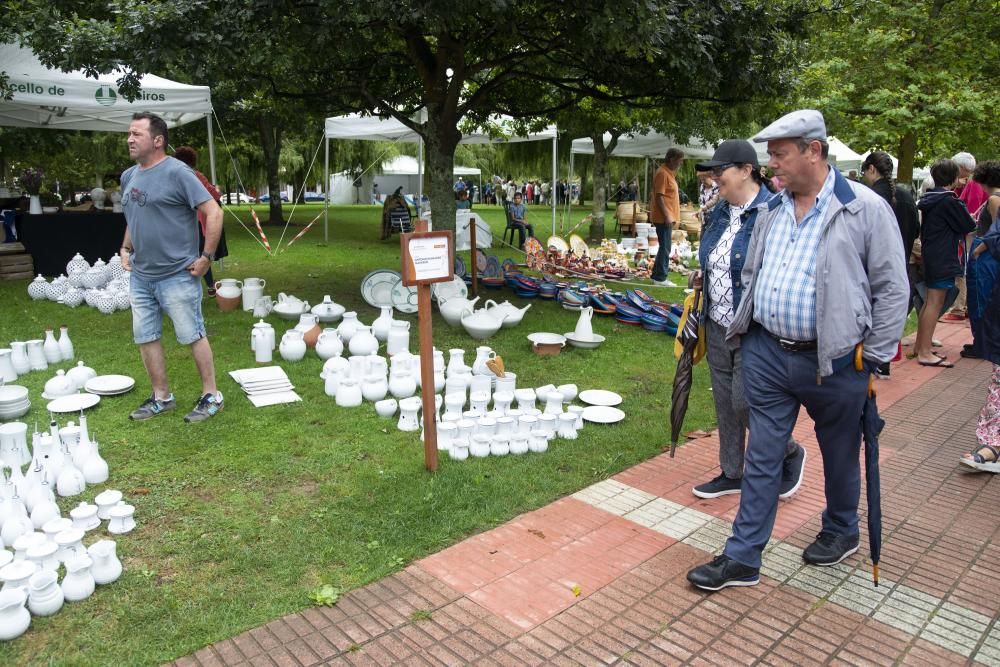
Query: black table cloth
{"points": [[53, 239]]}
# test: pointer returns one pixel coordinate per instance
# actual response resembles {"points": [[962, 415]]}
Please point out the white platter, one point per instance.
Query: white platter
{"points": [[546, 338], [109, 385], [444, 291], [603, 414], [376, 287], [404, 299], [73, 403], [600, 397]]}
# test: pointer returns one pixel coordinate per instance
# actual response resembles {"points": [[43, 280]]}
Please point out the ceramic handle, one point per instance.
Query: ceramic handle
{"points": [[217, 284]]}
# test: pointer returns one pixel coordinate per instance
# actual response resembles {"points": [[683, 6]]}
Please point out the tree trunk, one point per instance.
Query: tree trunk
{"points": [[270, 142], [907, 153], [441, 136], [600, 204]]}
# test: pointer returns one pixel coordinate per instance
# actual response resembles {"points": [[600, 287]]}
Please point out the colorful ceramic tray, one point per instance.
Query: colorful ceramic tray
{"points": [[579, 246], [557, 242], [532, 246], [481, 260], [376, 288]]}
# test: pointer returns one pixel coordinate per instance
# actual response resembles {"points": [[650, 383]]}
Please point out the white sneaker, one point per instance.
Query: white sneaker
{"points": [[664, 283]]}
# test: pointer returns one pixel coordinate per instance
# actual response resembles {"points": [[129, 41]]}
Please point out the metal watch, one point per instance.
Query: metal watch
{"points": [[209, 255]]}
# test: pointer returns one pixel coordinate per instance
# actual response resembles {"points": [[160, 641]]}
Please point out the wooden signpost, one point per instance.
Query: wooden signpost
{"points": [[428, 257]]}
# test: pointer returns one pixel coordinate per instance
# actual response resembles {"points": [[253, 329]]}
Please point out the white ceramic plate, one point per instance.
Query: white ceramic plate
{"points": [[546, 338], [404, 299], [376, 288], [73, 403], [109, 385], [444, 291], [12, 393], [603, 414], [600, 397]]}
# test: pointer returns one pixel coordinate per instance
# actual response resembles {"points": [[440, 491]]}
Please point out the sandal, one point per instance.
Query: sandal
{"points": [[940, 363], [976, 459]]}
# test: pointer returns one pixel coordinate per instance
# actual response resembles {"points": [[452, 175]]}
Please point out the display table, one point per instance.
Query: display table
{"points": [[53, 239]]}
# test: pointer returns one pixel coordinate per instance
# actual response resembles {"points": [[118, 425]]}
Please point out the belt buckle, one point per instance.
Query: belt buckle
{"points": [[788, 345]]}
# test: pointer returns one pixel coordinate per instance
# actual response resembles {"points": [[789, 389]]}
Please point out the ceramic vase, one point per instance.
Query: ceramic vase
{"points": [[538, 443], [348, 326], [362, 342], [36, 288], [398, 337], [19, 357], [480, 446], [409, 408], [518, 444], [36, 355], [349, 393], [45, 596], [17, 574], [309, 326], [401, 384], [106, 566], [79, 582], [7, 372], [293, 347], [567, 426], [105, 501], [381, 326], [374, 387], [328, 344], [14, 617]]}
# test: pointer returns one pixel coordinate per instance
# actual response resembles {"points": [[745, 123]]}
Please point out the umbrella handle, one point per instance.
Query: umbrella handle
{"points": [[859, 361]]}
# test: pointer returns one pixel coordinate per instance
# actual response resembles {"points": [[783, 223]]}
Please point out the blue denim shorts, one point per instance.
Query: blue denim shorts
{"points": [[943, 283], [178, 296]]}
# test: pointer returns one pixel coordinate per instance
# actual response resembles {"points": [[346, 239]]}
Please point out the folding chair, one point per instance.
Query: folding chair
{"points": [[400, 220], [510, 229]]}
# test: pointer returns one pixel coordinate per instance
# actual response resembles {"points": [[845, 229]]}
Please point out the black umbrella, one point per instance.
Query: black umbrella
{"points": [[871, 425], [688, 337]]}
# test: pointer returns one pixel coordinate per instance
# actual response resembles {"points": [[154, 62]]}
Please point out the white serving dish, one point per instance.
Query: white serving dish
{"points": [[584, 343]]}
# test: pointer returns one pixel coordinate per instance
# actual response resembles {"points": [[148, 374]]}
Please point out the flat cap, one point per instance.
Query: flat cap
{"points": [[804, 124]]}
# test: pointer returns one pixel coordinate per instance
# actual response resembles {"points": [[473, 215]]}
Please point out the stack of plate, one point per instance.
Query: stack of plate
{"points": [[13, 401], [109, 385]]}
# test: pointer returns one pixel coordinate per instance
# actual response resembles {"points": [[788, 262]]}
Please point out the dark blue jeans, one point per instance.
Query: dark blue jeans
{"points": [[776, 384], [662, 264]]}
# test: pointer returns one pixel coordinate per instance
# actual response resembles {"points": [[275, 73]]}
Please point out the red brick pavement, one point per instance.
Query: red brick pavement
{"points": [[507, 596]]}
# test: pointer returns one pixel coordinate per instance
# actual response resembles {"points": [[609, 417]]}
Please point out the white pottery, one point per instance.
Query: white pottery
{"points": [[506, 384], [578, 411], [45, 555], [77, 264], [376, 364], [506, 313], [386, 408], [45, 596], [50, 348], [569, 391], [548, 424], [456, 360], [408, 409], [398, 337], [538, 443], [106, 567], [486, 426], [60, 385], [458, 451], [95, 468], [262, 342], [458, 380], [584, 329], [505, 426], [554, 402], [14, 444], [105, 501], [55, 289], [116, 201], [327, 310], [36, 288], [56, 526], [16, 574], [358, 368], [73, 297], [525, 398], [363, 342], [121, 299], [262, 306], [454, 308], [122, 519], [229, 288], [483, 354], [84, 516], [329, 344], [567, 426], [401, 383], [79, 374], [480, 325], [381, 326], [290, 307], [348, 326], [7, 372], [349, 393], [19, 357], [70, 543], [502, 401], [21, 546], [293, 347], [526, 424], [478, 400], [374, 387], [454, 404], [445, 435], [480, 445], [500, 445], [115, 268], [331, 382], [106, 302], [44, 511], [253, 289], [14, 617], [518, 444], [16, 525], [70, 481], [79, 582]]}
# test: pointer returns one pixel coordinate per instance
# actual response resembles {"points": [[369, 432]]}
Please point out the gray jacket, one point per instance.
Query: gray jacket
{"points": [[861, 283]]}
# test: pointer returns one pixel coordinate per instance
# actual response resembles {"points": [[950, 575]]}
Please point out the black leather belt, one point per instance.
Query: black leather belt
{"points": [[789, 345]]}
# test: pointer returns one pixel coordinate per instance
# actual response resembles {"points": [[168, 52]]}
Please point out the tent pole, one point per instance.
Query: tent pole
{"points": [[645, 179], [326, 187], [211, 149], [552, 188]]}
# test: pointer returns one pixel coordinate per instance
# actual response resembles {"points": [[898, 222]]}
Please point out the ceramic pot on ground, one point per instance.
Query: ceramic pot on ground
{"points": [[50, 348], [262, 342], [386, 408], [328, 344], [408, 411], [327, 310], [349, 393], [293, 347], [253, 289], [36, 288], [479, 447], [348, 326], [66, 352], [19, 357], [381, 326], [79, 582], [445, 435], [122, 519], [79, 374], [398, 337], [518, 444], [7, 372], [45, 596], [309, 326], [106, 567], [538, 443], [567, 426], [548, 424], [456, 360], [401, 383], [14, 616], [105, 501], [374, 387], [16, 574], [363, 342]]}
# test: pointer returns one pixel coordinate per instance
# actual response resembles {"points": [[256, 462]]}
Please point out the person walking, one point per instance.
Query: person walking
{"points": [[876, 171], [824, 273], [946, 221], [734, 172], [161, 197], [973, 195], [665, 212]]}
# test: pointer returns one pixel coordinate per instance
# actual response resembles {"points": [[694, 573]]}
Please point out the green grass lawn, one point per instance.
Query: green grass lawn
{"points": [[241, 517]]}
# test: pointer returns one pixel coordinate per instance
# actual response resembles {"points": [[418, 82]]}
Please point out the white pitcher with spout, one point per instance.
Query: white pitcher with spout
{"points": [[584, 330]]}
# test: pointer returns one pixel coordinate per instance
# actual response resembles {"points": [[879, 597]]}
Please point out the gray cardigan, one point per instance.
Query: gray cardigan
{"points": [[861, 284]]}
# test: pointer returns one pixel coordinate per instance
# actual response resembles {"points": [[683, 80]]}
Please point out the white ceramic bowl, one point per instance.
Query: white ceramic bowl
{"points": [[585, 343], [286, 313], [386, 408], [480, 330], [13, 394], [546, 338]]}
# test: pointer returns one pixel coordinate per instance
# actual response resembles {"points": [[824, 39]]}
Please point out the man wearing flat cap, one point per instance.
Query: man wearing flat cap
{"points": [[824, 273]]}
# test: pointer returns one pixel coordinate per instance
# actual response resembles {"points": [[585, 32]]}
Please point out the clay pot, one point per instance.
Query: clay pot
{"points": [[227, 304]]}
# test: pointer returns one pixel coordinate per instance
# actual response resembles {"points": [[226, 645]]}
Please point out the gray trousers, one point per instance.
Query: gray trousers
{"points": [[731, 410]]}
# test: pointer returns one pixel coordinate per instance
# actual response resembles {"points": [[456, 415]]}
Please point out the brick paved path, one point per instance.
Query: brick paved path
{"points": [[599, 577]]}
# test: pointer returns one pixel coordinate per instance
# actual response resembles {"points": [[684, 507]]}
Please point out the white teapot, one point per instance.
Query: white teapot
{"points": [[328, 311], [454, 308], [480, 324], [508, 314]]}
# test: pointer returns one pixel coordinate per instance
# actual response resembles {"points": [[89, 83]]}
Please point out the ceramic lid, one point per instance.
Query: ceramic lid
{"points": [[56, 526], [122, 510], [19, 569], [109, 497], [69, 536], [83, 511], [43, 550]]}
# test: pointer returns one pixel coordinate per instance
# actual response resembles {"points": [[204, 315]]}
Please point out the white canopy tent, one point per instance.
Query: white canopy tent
{"points": [[372, 128], [50, 98], [843, 156], [401, 171]]}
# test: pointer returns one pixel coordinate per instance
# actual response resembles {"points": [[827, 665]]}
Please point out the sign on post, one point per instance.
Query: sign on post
{"points": [[427, 258]]}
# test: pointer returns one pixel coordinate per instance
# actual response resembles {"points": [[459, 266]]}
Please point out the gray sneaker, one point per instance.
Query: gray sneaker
{"points": [[206, 407], [152, 407]]}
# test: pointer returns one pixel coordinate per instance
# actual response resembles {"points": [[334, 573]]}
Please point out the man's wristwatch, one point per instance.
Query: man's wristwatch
{"points": [[209, 255]]}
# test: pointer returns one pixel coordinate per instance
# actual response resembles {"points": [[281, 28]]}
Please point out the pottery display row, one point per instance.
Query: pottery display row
{"points": [[35, 355], [482, 323]]}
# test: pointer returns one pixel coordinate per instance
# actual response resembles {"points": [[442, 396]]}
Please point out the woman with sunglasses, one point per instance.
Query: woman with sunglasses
{"points": [[724, 243]]}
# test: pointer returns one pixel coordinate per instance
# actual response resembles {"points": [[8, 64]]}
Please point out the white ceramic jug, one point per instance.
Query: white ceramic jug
{"points": [[45, 597], [293, 347], [66, 351], [262, 342], [106, 568], [328, 344], [363, 342], [36, 355], [253, 289], [7, 372], [380, 327], [14, 617], [401, 383], [374, 387], [348, 326], [398, 337], [483, 354], [79, 582], [50, 348], [349, 393], [229, 288], [19, 357], [584, 330]]}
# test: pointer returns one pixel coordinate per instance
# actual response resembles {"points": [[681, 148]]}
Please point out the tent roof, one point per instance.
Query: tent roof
{"points": [[372, 128], [54, 99], [406, 165], [654, 144], [843, 156]]}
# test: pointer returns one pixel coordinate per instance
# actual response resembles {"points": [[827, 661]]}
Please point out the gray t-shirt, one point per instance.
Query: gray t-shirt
{"points": [[159, 205]]}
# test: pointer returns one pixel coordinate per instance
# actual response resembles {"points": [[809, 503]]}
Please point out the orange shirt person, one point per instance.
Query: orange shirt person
{"points": [[665, 212]]}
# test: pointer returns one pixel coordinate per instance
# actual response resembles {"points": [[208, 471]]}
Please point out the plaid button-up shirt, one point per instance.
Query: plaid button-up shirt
{"points": [[785, 290]]}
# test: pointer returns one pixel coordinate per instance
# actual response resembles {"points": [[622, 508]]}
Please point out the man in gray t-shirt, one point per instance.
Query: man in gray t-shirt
{"points": [[161, 197]]}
